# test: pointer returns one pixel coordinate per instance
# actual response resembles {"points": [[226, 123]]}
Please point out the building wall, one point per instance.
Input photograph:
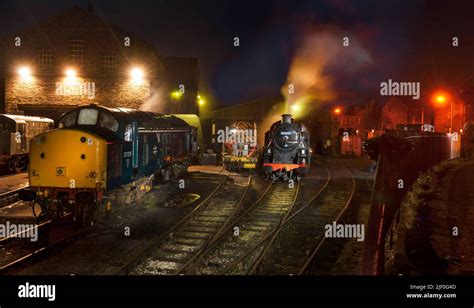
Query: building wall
{"points": [[394, 112], [442, 117], [110, 86], [183, 72], [355, 122], [46, 92]]}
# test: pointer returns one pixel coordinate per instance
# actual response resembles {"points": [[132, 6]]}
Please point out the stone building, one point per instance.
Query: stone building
{"points": [[355, 120], [442, 116], [76, 58], [396, 111]]}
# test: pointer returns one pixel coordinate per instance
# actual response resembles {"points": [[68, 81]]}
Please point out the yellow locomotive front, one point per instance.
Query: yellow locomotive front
{"points": [[67, 171]]}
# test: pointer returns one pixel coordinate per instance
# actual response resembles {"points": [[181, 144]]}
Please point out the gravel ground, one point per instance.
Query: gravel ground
{"points": [[105, 247], [425, 241]]}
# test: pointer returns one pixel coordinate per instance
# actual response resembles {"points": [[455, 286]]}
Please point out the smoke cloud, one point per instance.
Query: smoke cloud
{"points": [[156, 102], [319, 65]]}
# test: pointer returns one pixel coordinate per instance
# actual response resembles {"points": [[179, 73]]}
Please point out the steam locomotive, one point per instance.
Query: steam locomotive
{"points": [[287, 153]]}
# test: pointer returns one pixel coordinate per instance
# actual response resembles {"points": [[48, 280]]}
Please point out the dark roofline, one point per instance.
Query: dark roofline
{"points": [[83, 11], [273, 99]]}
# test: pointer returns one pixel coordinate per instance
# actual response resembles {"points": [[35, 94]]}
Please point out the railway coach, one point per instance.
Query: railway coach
{"points": [[16, 131], [101, 156]]}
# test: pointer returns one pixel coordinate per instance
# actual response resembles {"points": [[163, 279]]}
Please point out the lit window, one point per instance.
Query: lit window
{"points": [[78, 51], [69, 120], [109, 60], [108, 121], [88, 117], [45, 58]]}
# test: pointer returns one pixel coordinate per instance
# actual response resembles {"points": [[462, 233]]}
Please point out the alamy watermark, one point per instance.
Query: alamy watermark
{"points": [[345, 231], [397, 88], [19, 231], [28, 290], [86, 89], [235, 135]]}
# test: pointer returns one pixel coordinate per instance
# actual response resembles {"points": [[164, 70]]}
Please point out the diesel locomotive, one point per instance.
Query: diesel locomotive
{"points": [[101, 156], [287, 153]]}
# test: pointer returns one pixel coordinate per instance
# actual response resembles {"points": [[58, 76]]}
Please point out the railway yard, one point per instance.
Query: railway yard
{"points": [[219, 223]]}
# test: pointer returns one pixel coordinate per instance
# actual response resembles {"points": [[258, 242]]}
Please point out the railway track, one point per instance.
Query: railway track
{"points": [[198, 229], [273, 206], [298, 239], [15, 250], [291, 245], [132, 263], [10, 197]]}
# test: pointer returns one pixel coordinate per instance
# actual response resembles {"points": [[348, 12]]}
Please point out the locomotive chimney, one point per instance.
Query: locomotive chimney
{"points": [[286, 118]]}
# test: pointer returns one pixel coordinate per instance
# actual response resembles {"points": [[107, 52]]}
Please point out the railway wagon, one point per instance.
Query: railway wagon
{"points": [[240, 147], [16, 132], [101, 156]]}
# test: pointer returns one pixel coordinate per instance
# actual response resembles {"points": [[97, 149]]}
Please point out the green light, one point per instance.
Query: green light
{"points": [[176, 94]]}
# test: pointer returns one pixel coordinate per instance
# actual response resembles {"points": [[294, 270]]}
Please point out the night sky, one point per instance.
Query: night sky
{"points": [[393, 37]]}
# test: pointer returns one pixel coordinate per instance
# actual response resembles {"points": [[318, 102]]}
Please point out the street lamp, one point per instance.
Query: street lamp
{"points": [[440, 98], [71, 73], [200, 100], [176, 94], [24, 72], [336, 111], [137, 75]]}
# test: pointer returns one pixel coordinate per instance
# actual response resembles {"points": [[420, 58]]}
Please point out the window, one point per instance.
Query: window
{"points": [[108, 121], [88, 117], [69, 120], [109, 60], [45, 58], [146, 157], [78, 51]]}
